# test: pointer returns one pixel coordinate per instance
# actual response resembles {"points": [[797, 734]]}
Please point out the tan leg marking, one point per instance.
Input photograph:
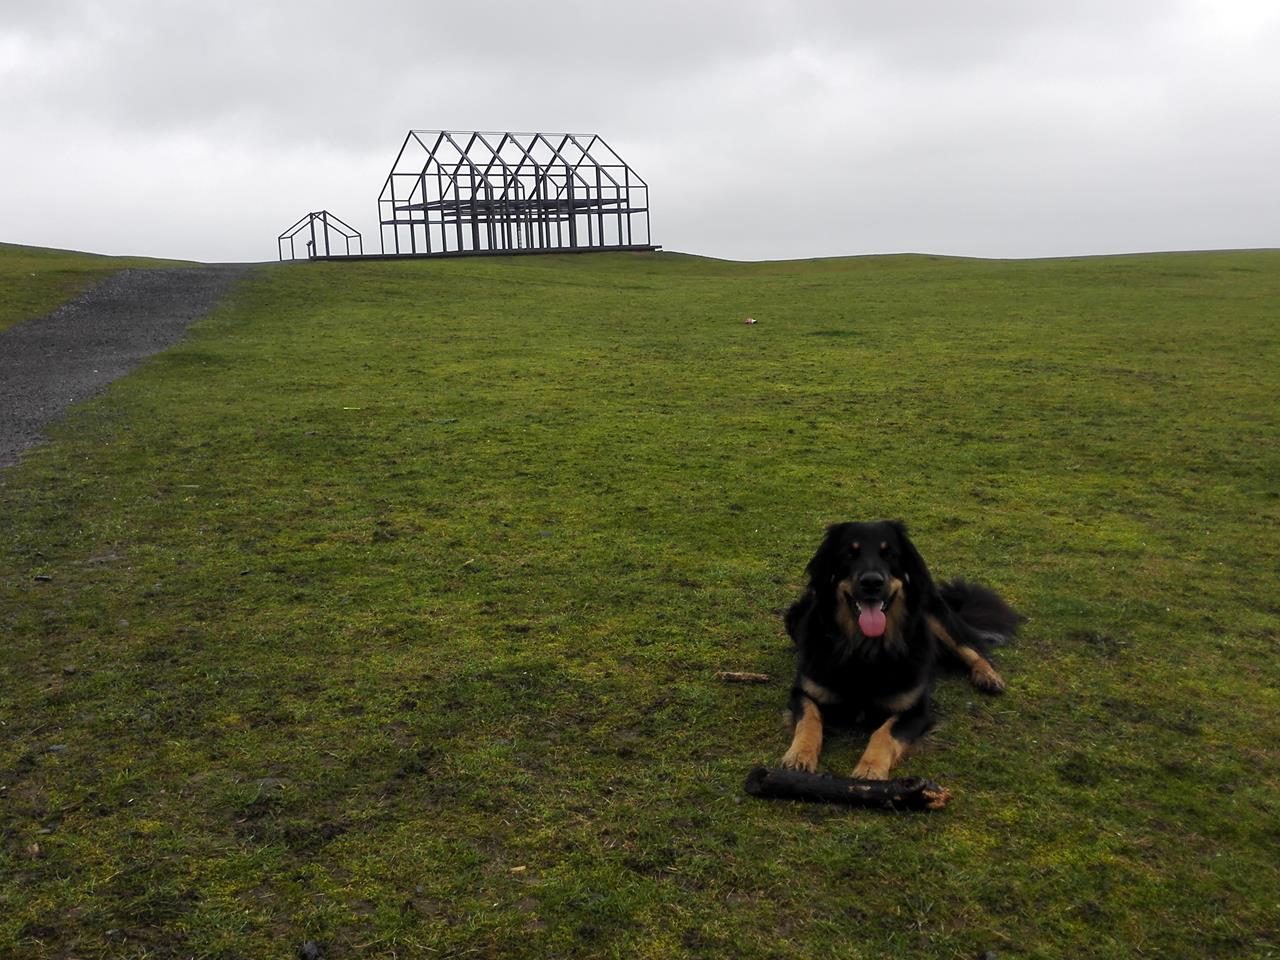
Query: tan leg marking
{"points": [[817, 692], [981, 673], [984, 676], [882, 754], [806, 743], [902, 701]]}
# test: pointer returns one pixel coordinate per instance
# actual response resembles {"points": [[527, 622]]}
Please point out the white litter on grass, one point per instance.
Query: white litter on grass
{"points": [[749, 320]]}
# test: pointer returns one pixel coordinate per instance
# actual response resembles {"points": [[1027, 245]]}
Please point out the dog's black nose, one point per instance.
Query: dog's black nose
{"points": [[871, 582]]}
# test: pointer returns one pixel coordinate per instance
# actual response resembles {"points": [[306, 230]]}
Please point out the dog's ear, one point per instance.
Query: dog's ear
{"points": [[915, 573], [822, 568]]}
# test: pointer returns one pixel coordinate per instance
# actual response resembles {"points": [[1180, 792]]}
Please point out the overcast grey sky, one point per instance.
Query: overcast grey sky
{"points": [[765, 129]]}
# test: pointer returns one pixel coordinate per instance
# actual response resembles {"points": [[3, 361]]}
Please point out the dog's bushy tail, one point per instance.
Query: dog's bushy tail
{"points": [[988, 619]]}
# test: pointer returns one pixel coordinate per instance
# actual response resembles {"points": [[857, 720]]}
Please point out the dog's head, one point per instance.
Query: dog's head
{"points": [[871, 574]]}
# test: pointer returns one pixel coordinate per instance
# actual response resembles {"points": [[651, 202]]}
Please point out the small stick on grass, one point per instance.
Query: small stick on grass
{"points": [[738, 676], [905, 793]]}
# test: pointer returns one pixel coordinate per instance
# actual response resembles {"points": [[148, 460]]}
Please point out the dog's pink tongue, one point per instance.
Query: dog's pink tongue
{"points": [[870, 619]]}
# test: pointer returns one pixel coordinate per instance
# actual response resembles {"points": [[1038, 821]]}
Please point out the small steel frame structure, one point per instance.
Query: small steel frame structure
{"points": [[454, 192], [318, 244]]}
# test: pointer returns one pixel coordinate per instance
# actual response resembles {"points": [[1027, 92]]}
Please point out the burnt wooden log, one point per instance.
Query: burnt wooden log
{"points": [[904, 793]]}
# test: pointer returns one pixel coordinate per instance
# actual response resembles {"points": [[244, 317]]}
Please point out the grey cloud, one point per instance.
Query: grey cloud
{"points": [[988, 127]]}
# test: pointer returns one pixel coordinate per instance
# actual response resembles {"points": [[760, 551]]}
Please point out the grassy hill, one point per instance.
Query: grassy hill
{"points": [[384, 613]]}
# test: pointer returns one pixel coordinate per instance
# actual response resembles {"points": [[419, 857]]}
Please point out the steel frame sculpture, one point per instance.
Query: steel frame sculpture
{"points": [[318, 244], [455, 192]]}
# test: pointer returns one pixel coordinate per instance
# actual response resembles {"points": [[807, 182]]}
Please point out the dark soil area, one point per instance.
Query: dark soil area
{"points": [[51, 362]]}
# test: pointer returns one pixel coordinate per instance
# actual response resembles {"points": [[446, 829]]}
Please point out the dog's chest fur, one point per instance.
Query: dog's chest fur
{"points": [[859, 670]]}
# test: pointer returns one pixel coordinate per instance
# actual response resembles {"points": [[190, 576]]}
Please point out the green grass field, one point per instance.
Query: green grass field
{"points": [[34, 280], [384, 613]]}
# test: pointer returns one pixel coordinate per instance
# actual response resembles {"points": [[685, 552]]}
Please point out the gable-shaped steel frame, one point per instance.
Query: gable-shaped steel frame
{"points": [[452, 192], [318, 244]]}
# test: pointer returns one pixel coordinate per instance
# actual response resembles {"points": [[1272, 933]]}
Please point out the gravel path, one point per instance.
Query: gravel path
{"points": [[49, 363]]}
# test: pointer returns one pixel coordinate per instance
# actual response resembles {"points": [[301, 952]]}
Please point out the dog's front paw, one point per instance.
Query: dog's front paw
{"points": [[870, 771], [797, 760], [984, 677]]}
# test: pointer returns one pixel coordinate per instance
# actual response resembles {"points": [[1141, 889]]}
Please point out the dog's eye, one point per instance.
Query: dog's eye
{"points": [[855, 547]]}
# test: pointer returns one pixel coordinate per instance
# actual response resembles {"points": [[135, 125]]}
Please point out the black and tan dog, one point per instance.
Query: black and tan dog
{"points": [[869, 631]]}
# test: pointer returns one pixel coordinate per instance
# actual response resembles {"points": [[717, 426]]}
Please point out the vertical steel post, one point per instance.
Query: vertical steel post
{"points": [[573, 210], [426, 212], [600, 204], [444, 234], [395, 216], [625, 201]]}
